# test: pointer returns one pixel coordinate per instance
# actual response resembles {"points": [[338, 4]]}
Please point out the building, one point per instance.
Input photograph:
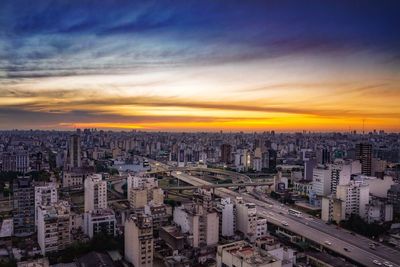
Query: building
{"points": [[45, 195], [310, 162], [95, 193], [72, 179], [100, 221], [202, 225], [54, 227], [321, 181], [173, 237], [24, 206], [139, 240], [393, 196], [42, 262], [140, 197], [268, 160], [227, 217], [74, 152], [137, 198], [378, 187], [261, 230], [341, 172], [302, 187], [378, 211], [355, 195], [274, 248], [246, 218], [333, 209], [159, 215], [226, 151], [15, 162], [364, 155], [244, 254]]}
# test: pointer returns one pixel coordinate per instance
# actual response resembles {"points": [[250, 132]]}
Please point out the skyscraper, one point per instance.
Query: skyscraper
{"points": [[364, 155], [74, 151], [226, 151]]}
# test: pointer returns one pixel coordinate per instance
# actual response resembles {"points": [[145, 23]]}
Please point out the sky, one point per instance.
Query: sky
{"points": [[200, 65]]}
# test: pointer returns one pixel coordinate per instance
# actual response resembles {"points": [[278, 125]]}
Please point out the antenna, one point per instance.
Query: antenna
{"points": [[363, 125]]}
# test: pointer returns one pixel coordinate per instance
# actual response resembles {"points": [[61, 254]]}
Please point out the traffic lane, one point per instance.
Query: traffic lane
{"points": [[355, 253], [303, 229], [360, 241], [329, 229]]}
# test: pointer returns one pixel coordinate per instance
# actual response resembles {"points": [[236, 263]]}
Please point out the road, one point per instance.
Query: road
{"points": [[311, 228]]}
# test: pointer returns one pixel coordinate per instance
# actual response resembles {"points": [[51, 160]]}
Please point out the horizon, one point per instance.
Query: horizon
{"points": [[200, 66]]}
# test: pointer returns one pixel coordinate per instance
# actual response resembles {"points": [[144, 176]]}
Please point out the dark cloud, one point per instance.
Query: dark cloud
{"points": [[88, 36]]}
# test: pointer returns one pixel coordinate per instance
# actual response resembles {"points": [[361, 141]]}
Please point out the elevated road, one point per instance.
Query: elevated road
{"points": [[211, 186], [311, 228]]}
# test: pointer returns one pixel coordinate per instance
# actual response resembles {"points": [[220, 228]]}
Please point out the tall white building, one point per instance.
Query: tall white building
{"points": [[45, 195], [53, 232], [198, 222], [95, 193], [355, 195], [341, 172], [321, 181], [227, 218], [139, 240], [246, 218]]}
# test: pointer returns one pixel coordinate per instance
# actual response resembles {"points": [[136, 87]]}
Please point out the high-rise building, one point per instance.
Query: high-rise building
{"points": [[74, 151], [310, 162], [24, 206], [45, 195], [226, 151], [139, 240], [246, 218], [393, 196], [268, 159], [199, 222], [321, 183], [356, 197], [227, 218], [95, 193], [16, 162], [53, 227], [364, 155]]}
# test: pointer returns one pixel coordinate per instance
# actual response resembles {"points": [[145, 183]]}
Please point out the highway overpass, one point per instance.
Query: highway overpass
{"points": [[327, 236]]}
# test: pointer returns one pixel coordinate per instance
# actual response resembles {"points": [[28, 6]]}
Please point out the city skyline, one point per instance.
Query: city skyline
{"points": [[200, 66]]}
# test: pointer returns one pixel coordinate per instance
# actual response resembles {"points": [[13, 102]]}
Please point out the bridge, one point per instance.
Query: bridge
{"points": [[211, 186]]}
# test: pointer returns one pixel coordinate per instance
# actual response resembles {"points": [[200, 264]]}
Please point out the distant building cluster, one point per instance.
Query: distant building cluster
{"points": [[62, 188]]}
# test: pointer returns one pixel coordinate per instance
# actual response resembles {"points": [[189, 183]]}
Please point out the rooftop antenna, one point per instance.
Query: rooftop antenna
{"points": [[363, 126]]}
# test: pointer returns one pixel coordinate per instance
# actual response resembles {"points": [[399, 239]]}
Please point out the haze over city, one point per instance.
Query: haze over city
{"points": [[200, 65]]}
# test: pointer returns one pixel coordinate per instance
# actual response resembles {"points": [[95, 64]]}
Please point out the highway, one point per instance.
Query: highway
{"points": [[312, 228]]}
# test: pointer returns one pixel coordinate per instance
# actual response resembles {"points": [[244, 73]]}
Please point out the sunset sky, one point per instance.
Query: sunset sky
{"points": [[200, 65]]}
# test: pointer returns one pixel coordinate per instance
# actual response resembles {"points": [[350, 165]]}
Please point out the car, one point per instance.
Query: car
{"points": [[285, 223], [346, 249], [388, 264], [376, 262], [328, 242]]}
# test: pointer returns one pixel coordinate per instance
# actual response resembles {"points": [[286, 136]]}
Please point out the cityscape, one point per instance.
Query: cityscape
{"points": [[199, 133]]}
